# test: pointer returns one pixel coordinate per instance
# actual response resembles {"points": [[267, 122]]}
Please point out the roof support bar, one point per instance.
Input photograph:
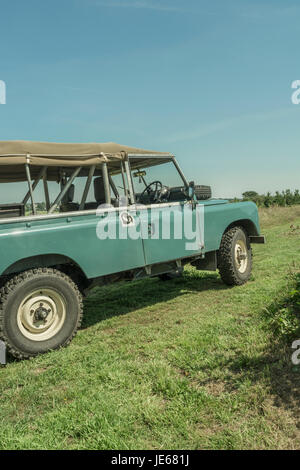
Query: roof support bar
{"points": [[128, 175], [180, 172], [87, 187], [106, 183], [113, 186], [65, 189], [124, 183], [30, 187], [46, 191], [36, 182]]}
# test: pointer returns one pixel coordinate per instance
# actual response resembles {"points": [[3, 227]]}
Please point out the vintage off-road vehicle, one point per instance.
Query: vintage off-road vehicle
{"points": [[110, 213]]}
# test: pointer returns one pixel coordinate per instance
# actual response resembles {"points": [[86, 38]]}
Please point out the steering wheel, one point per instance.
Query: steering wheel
{"points": [[156, 194]]}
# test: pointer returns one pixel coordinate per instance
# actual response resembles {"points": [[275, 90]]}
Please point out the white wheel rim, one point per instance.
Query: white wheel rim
{"points": [[41, 314], [241, 256]]}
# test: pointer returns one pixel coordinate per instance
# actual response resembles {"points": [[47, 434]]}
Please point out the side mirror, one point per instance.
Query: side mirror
{"points": [[191, 190]]}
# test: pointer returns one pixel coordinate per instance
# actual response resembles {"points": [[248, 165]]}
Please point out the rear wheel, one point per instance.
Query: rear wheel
{"points": [[235, 257], [40, 310]]}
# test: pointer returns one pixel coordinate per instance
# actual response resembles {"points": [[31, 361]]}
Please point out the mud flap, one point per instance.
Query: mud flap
{"points": [[2, 353]]}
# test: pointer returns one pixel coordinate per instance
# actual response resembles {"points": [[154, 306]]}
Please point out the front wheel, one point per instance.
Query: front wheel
{"points": [[40, 310], [235, 257]]}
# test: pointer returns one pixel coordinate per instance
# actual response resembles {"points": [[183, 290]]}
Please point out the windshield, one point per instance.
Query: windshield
{"points": [[166, 173]]}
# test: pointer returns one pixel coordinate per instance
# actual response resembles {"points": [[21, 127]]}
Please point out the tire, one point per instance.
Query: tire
{"points": [[40, 310], [202, 192], [235, 257]]}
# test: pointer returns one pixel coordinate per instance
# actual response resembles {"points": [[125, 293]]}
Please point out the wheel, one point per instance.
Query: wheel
{"points": [[202, 192], [40, 310], [235, 257]]}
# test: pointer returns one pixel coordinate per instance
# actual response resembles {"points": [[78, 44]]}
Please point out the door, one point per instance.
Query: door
{"points": [[172, 231], [120, 246]]}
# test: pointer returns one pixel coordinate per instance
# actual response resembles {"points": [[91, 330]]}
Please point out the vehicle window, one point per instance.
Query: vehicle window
{"points": [[13, 192], [119, 184], [153, 184], [166, 173]]}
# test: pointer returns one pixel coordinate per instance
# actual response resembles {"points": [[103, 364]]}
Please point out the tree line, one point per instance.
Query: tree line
{"points": [[283, 198]]}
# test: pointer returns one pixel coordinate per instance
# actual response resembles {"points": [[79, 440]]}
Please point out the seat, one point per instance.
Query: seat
{"points": [[99, 190], [99, 193], [67, 204], [12, 210]]}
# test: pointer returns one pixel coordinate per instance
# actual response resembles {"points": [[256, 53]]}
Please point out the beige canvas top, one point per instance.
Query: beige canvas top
{"points": [[14, 155]]}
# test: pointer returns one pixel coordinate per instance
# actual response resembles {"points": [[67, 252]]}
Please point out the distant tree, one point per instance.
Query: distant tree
{"points": [[41, 206], [268, 200], [279, 199], [289, 198], [296, 196], [250, 195]]}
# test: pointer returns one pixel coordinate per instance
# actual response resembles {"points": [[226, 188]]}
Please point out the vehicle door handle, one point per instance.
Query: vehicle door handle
{"points": [[126, 218]]}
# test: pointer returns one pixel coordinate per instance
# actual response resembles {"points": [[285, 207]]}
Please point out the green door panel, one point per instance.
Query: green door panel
{"points": [[71, 236], [171, 231]]}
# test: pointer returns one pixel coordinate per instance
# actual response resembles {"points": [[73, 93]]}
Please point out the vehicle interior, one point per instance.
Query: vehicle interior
{"points": [[151, 182]]}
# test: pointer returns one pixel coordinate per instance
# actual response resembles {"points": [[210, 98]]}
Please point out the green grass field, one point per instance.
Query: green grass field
{"points": [[183, 364]]}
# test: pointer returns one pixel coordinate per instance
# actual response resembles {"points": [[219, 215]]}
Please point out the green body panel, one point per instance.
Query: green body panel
{"points": [[74, 236], [159, 248], [217, 217]]}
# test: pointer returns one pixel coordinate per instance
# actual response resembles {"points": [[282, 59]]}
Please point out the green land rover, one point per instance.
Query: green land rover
{"points": [[109, 213]]}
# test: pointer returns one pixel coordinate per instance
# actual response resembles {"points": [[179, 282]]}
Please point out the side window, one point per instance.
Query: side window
{"points": [[117, 184], [72, 201], [13, 192], [79, 195]]}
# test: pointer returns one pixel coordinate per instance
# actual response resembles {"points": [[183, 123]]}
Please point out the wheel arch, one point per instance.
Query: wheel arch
{"points": [[62, 262], [247, 224]]}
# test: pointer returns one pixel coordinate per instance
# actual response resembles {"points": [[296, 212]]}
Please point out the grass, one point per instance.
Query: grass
{"points": [[183, 364]]}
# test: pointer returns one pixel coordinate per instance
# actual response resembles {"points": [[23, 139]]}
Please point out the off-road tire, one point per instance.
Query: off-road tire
{"points": [[227, 263], [15, 291], [202, 192]]}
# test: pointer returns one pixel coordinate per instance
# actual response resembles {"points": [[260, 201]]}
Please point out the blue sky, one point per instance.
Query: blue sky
{"points": [[209, 81]]}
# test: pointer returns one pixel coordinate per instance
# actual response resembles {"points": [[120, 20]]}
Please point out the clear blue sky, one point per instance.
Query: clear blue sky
{"points": [[207, 80]]}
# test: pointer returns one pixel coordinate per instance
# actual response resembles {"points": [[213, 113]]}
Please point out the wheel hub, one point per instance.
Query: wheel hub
{"points": [[41, 314], [241, 256]]}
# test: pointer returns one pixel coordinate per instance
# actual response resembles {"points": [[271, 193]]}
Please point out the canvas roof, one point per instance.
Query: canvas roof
{"points": [[14, 155]]}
